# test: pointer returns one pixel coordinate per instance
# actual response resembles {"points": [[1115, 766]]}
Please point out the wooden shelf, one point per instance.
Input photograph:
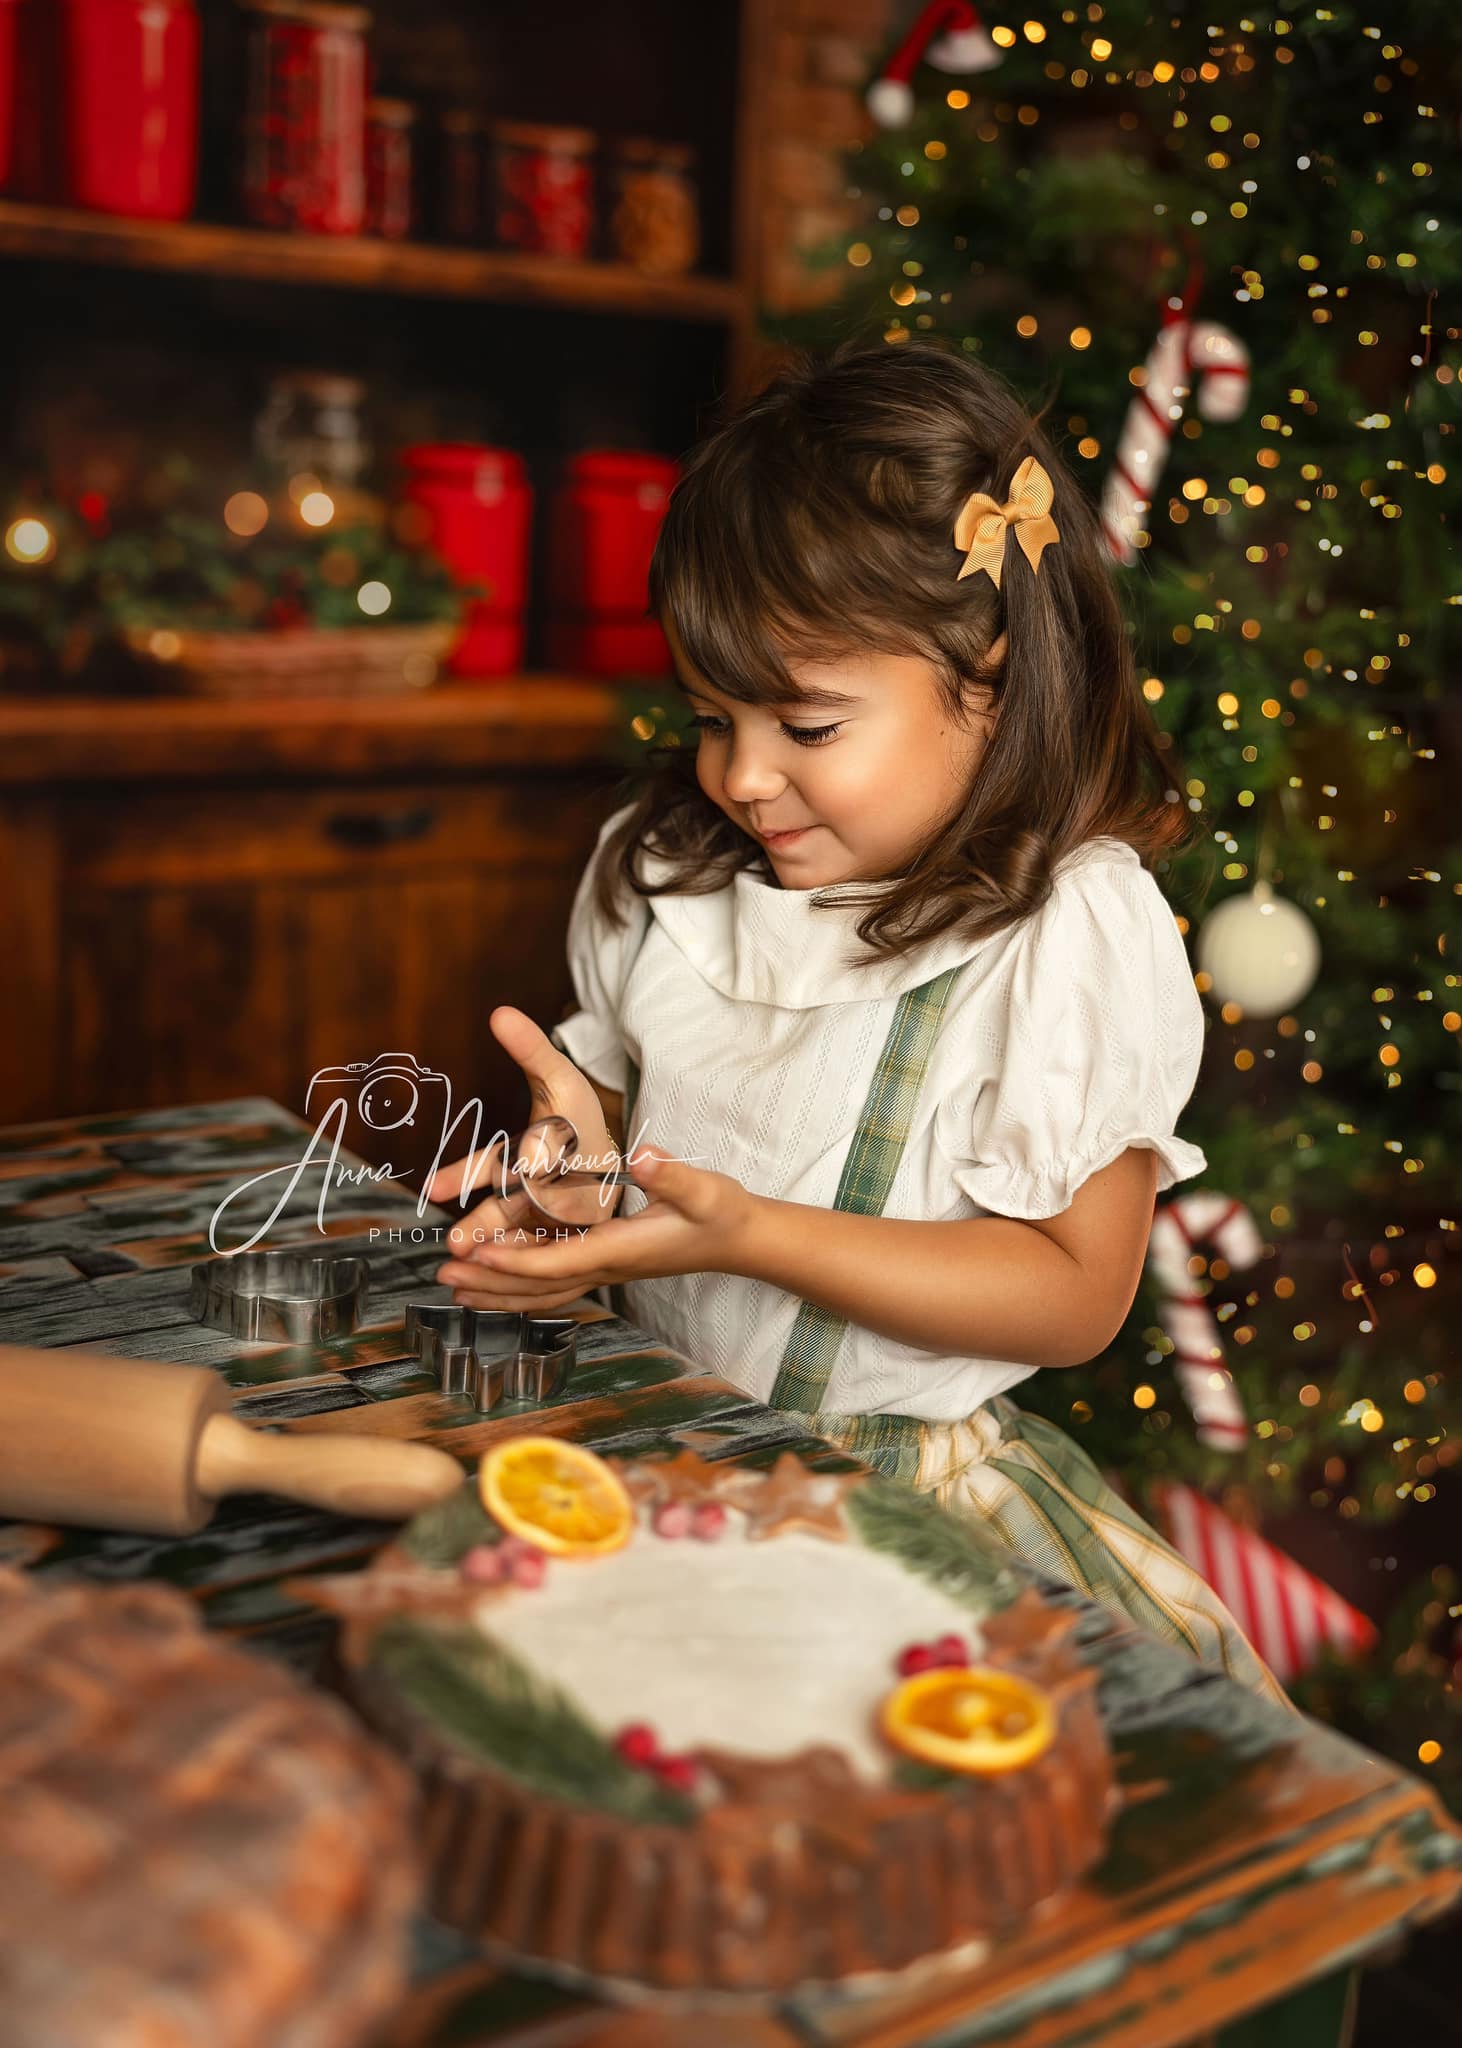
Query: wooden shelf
{"points": [[512, 723], [361, 263]]}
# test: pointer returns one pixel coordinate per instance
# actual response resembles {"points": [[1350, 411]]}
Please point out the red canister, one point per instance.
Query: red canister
{"points": [[478, 506], [304, 161], [104, 103], [605, 520], [543, 188], [131, 105]]}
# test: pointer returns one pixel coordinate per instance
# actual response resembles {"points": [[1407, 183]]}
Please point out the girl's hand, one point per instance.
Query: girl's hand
{"points": [[695, 1222], [556, 1088]]}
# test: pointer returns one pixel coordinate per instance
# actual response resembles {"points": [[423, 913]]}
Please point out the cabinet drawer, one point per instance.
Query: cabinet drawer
{"points": [[185, 837]]}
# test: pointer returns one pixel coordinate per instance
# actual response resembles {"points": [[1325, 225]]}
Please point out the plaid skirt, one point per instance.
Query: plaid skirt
{"points": [[1042, 1496]]}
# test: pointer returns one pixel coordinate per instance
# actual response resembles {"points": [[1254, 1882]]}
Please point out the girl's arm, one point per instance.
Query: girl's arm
{"points": [[1049, 1293]]}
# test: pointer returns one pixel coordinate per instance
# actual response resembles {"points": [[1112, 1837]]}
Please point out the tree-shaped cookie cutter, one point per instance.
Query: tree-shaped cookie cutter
{"points": [[493, 1355], [292, 1295]]}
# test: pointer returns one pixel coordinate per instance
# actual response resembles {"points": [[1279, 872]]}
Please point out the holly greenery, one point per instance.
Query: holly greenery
{"points": [[165, 557], [1294, 613]]}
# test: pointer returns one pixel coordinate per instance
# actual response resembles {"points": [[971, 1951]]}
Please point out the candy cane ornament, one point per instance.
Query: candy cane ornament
{"points": [[1188, 355], [1178, 1228], [1288, 1614]]}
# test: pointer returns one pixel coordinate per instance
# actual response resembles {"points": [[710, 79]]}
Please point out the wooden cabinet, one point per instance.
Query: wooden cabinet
{"points": [[209, 900], [212, 898]]}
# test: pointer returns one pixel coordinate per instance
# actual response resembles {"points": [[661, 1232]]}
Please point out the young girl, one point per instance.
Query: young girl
{"points": [[882, 967]]}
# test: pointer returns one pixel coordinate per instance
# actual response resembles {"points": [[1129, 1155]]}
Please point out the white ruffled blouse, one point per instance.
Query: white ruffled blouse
{"points": [[1067, 1038]]}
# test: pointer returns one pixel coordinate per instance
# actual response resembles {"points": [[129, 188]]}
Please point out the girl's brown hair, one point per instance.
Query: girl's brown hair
{"points": [[819, 519]]}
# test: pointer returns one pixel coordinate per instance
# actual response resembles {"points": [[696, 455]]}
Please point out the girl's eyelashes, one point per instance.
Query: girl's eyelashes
{"points": [[804, 735]]}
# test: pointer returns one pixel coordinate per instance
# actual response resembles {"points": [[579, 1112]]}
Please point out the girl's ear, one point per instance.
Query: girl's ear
{"points": [[980, 707], [980, 697]]}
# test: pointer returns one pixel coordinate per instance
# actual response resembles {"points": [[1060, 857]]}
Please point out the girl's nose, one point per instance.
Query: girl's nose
{"points": [[750, 775]]}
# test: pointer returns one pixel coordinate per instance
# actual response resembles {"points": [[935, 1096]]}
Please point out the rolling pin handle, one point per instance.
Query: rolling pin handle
{"points": [[379, 1477]]}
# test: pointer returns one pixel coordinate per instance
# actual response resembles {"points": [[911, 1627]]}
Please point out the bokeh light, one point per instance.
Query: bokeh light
{"points": [[29, 541], [246, 514]]}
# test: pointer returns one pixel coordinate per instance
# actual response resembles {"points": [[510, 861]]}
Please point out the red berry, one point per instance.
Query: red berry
{"points": [[678, 1772], [918, 1657], [709, 1521], [951, 1650], [672, 1518], [638, 1743], [482, 1565], [527, 1566]]}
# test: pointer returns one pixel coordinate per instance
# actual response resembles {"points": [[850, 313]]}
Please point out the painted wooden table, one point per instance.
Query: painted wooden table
{"points": [[1255, 1853]]}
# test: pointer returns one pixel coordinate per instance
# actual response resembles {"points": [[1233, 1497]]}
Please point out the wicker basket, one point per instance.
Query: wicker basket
{"points": [[305, 661]]}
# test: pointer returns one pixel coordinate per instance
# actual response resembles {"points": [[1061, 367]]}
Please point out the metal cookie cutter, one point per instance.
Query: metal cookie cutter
{"points": [[295, 1295], [493, 1355]]}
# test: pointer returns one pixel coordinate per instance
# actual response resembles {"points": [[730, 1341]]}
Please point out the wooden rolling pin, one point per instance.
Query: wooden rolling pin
{"points": [[123, 1443]]}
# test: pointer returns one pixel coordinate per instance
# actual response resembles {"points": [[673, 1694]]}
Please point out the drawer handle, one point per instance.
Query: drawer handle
{"points": [[381, 828]]}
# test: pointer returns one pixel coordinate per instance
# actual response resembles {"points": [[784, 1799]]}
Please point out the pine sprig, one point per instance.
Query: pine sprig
{"points": [[960, 1557], [442, 1533], [496, 1709], [164, 556]]}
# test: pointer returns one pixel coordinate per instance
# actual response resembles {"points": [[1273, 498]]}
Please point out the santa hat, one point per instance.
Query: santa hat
{"points": [[947, 34]]}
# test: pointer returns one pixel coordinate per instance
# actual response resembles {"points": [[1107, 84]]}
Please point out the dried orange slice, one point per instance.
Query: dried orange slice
{"points": [[970, 1718], [557, 1495]]}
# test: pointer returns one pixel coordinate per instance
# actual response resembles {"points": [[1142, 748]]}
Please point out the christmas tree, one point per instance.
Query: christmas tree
{"points": [[1216, 252]]}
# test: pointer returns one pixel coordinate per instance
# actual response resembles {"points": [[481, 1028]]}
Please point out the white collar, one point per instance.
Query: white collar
{"points": [[758, 943]]}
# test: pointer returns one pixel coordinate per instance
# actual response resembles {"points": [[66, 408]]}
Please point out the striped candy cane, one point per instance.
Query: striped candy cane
{"points": [[1178, 1228], [1288, 1614], [1187, 354]]}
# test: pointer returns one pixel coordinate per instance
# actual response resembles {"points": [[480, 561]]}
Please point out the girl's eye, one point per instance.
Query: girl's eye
{"points": [[804, 735]]}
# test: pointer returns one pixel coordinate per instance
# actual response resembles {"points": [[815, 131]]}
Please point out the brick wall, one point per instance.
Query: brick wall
{"points": [[818, 58]]}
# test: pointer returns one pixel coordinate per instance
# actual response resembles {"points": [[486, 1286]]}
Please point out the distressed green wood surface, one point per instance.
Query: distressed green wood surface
{"points": [[1255, 1852]]}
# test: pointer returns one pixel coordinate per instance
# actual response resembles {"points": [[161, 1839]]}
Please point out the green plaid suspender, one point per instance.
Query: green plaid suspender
{"points": [[891, 1442]]}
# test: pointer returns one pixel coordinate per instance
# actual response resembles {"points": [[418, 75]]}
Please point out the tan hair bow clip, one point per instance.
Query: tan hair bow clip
{"points": [[982, 525]]}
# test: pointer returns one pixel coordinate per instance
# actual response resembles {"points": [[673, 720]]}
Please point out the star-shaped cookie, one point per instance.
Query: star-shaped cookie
{"points": [[791, 1496]]}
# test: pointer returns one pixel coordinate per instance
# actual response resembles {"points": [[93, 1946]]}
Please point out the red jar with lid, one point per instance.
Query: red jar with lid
{"points": [[479, 506], [543, 188], [605, 520], [304, 161]]}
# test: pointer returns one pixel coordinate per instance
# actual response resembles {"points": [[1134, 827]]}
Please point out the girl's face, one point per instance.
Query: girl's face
{"points": [[859, 778]]}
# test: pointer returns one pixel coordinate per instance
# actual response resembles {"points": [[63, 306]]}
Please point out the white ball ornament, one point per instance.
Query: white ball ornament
{"points": [[1259, 951]]}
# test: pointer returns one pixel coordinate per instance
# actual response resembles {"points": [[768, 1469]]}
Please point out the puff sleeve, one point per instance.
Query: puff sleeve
{"points": [[1097, 1049], [599, 957]]}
